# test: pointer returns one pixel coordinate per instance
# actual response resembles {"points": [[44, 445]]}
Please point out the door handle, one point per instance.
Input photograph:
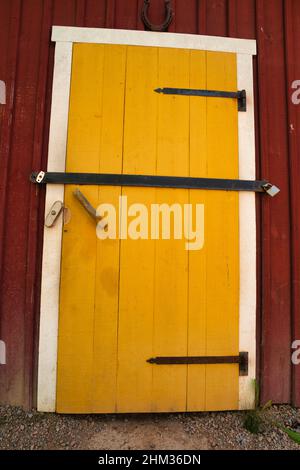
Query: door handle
{"points": [[85, 204], [88, 207], [54, 213]]}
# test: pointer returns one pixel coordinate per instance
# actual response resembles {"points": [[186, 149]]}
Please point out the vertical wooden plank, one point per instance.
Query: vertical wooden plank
{"points": [[241, 19], [125, 14], [11, 376], [95, 12], [64, 13], [186, 16], [48, 325], [292, 38], [222, 236], [110, 13], [80, 11], [171, 260], [216, 17], [198, 258], [276, 250], [137, 256], [247, 235], [104, 372], [202, 17], [35, 226], [76, 321], [139, 23]]}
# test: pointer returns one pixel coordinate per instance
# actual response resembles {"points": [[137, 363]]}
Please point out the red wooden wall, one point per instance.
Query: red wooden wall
{"points": [[26, 66]]}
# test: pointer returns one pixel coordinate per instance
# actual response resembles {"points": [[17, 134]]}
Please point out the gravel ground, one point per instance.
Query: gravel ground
{"points": [[223, 430]]}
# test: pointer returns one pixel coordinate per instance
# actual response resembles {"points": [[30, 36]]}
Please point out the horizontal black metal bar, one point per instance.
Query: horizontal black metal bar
{"points": [[196, 92], [108, 179], [170, 360], [241, 359], [239, 95]]}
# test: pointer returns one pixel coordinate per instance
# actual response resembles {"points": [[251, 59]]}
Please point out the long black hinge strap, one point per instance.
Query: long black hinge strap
{"points": [[239, 95], [241, 359], [108, 179]]}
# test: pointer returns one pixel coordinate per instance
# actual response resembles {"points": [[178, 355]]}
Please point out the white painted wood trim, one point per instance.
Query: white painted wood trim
{"points": [[65, 36], [148, 38], [247, 226], [47, 360]]}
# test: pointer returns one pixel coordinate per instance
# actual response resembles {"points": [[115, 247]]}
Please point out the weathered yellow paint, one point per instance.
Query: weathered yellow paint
{"points": [[134, 381], [77, 294], [197, 259], [107, 264], [171, 259], [222, 239], [124, 301]]}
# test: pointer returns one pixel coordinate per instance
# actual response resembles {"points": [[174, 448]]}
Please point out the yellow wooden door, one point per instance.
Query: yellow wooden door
{"points": [[125, 301]]}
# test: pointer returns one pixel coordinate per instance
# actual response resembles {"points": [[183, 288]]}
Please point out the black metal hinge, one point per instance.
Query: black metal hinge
{"points": [[110, 179], [239, 95], [241, 359]]}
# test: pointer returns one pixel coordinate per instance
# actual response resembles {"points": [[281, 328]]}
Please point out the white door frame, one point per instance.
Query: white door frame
{"points": [[65, 37]]}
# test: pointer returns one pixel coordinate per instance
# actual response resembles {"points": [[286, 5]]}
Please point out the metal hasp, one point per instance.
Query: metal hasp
{"points": [[110, 179], [241, 359], [239, 95]]}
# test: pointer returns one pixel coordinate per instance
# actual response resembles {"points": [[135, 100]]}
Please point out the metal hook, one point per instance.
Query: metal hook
{"points": [[152, 27]]}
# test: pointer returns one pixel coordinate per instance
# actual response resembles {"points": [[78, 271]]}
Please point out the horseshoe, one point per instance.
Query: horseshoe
{"points": [[161, 27]]}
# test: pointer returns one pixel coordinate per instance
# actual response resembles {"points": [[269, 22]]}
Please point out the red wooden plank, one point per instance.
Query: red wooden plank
{"points": [[201, 16], [7, 74], [216, 17], [80, 13], [10, 32], [292, 40], [186, 18], [17, 203], [241, 19], [64, 13], [126, 14], [276, 321], [110, 13], [36, 209], [139, 23], [95, 13]]}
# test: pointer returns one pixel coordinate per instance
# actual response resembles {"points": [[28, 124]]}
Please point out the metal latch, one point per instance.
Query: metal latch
{"points": [[241, 359], [40, 176], [54, 213]]}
